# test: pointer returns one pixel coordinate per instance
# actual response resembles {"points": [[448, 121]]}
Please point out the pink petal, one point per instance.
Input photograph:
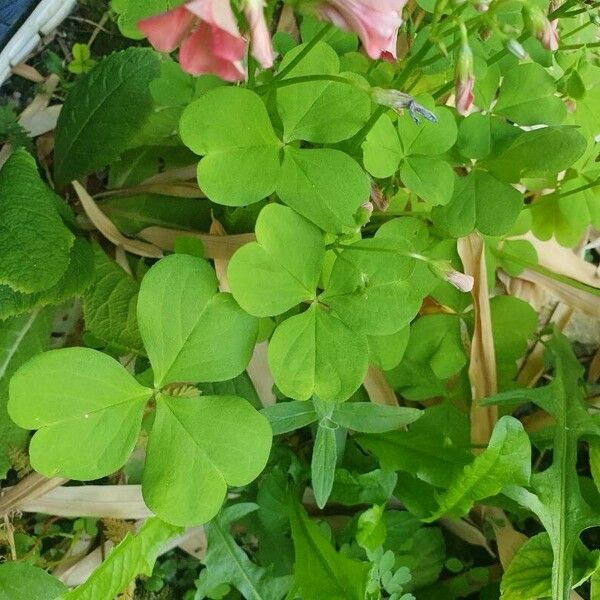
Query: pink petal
{"points": [[262, 48], [197, 56], [217, 13], [166, 31]]}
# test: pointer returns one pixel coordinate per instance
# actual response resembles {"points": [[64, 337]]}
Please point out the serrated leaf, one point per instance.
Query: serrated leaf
{"points": [[34, 241], [226, 562], [320, 571], [73, 282], [282, 268], [86, 407], [197, 447], [556, 498], [20, 339], [183, 320], [134, 556], [529, 574], [506, 461], [315, 353], [109, 306], [99, 118]]}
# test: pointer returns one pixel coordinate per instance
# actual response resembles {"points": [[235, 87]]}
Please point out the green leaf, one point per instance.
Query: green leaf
{"points": [[282, 268], [369, 287], [231, 127], [320, 111], [34, 241], [373, 418], [197, 447], [529, 574], [506, 461], [434, 448], [131, 11], [109, 306], [226, 562], [86, 407], [538, 153], [324, 185], [20, 339], [557, 499], [382, 150], [183, 322], [134, 556], [322, 465], [429, 177], [315, 353], [320, 571], [289, 416], [73, 282], [386, 351], [22, 581], [475, 136], [351, 489], [480, 201], [528, 97], [426, 137], [99, 118], [370, 529]]}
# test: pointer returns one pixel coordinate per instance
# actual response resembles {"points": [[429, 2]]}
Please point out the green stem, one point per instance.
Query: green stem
{"points": [[581, 188], [309, 46], [577, 46], [546, 272], [306, 79]]}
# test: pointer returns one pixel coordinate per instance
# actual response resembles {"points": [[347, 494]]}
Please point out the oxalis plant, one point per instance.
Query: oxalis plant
{"points": [[296, 272]]}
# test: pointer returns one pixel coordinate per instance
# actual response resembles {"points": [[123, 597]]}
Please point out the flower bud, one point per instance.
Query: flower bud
{"points": [[465, 79], [446, 271], [378, 199], [398, 101], [544, 30], [516, 49]]}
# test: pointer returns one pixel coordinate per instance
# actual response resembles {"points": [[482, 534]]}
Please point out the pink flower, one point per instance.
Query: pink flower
{"points": [[375, 21], [464, 94], [465, 78], [262, 48], [208, 35], [549, 36], [460, 281]]}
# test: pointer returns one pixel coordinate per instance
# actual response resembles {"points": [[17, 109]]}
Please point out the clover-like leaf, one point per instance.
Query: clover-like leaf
{"points": [[480, 201], [429, 177], [197, 447], [528, 97], [282, 268], [191, 332], [369, 287], [324, 185], [426, 137], [231, 127], [316, 353], [86, 407], [382, 150], [320, 111]]}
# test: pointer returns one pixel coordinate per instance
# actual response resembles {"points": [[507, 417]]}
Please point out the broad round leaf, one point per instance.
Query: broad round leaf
{"points": [[429, 177], [22, 581], [324, 185], [426, 137], [197, 447], [382, 150], [369, 287], [86, 407], [282, 268], [232, 128], [191, 332], [315, 353]]}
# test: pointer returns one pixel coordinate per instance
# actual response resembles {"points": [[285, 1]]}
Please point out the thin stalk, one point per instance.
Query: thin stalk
{"points": [[581, 188]]}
